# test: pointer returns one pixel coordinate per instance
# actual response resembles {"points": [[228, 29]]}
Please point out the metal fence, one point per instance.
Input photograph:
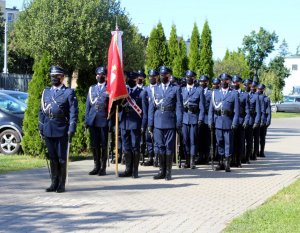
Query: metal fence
{"points": [[15, 81]]}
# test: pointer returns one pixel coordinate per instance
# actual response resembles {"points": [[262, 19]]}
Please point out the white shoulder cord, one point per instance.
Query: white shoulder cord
{"points": [[43, 103], [213, 100], [90, 95]]}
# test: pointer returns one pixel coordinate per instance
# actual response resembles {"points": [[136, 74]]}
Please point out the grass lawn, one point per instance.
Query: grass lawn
{"points": [[280, 213], [10, 163], [284, 114]]}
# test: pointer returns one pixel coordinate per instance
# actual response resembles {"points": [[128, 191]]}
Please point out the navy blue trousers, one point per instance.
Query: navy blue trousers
{"points": [[224, 142], [131, 140], [189, 133], [57, 148], [165, 139]]}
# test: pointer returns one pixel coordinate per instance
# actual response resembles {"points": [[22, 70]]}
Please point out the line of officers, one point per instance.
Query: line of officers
{"points": [[224, 123]]}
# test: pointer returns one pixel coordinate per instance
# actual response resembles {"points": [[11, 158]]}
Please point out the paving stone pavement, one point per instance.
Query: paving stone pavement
{"points": [[194, 201]]}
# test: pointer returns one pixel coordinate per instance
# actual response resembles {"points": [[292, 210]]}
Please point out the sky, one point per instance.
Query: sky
{"points": [[229, 20]]}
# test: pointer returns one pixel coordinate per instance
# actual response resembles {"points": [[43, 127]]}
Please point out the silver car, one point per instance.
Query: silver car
{"points": [[290, 103]]}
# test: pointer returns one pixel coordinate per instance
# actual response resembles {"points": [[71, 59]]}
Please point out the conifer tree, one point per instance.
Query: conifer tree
{"points": [[31, 142], [163, 51], [194, 51], [181, 60], [152, 56], [173, 46], [206, 64]]}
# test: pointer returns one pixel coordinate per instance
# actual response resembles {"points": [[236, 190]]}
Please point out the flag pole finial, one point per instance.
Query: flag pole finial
{"points": [[117, 27]]}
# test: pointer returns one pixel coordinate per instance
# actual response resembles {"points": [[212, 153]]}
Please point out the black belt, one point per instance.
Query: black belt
{"points": [[128, 109], [223, 112], [51, 116], [191, 109], [166, 109], [242, 113]]}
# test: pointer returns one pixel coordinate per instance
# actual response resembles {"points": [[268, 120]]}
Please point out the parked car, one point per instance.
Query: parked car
{"points": [[11, 120], [19, 95], [290, 103]]}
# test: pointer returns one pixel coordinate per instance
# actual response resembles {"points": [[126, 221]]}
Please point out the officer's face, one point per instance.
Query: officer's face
{"points": [[190, 80], [140, 80], [153, 79], [57, 79], [204, 84], [101, 78], [247, 87], [165, 77], [236, 85], [225, 83]]}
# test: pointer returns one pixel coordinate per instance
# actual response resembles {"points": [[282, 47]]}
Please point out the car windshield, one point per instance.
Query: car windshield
{"points": [[289, 99], [12, 105], [20, 96]]}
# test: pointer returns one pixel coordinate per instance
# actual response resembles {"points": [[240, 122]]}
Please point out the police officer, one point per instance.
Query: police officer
{"points": [[224, 116], [193, 116], [204, 131], [254, 117], [141, 79], [165, 116], [256, 130], [57, 122], [239, 134], [152, 149], [96, 120], [267, 119], [216, 83], [133, 120]]}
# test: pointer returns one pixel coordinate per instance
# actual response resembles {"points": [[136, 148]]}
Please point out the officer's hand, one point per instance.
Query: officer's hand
{"points": [[42, 135], [70, 135], [142, 130], [178, 128], [150, 129], [200, 123], [262, 124], [211, 126], [245, 126], [255, 125], [234, 127]]}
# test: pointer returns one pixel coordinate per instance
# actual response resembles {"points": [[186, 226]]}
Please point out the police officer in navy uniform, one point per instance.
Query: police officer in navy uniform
{"points": [[223, 115], [141, 79], [256, 130], [193, 116], [133, 120], [152, 149], [216, 83], [267, 119], [57, 123], [239, 134], [164, 118], [254, 116], [204, 131], [96, 120]]}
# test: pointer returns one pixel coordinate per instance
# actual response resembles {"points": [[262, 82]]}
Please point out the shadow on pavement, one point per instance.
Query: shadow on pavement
{"points": [[28, 216]]}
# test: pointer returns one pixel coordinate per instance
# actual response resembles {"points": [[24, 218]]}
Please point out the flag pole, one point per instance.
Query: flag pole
{"points": [[116, 140]]}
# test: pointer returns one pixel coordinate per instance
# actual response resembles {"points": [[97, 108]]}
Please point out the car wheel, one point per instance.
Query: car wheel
{"points": [[274, 108], [9, 142]]}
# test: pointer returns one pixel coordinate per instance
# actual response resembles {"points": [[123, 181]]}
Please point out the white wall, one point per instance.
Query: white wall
{"points": [[293, 64]]}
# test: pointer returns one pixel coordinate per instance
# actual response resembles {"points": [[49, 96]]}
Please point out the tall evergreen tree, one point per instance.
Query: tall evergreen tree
{"points": [[157, 48], [173, 46], [194, 51], [163, 45], [284, 49], [206, 63], [152, 56], [181, 60], [31, 142]]}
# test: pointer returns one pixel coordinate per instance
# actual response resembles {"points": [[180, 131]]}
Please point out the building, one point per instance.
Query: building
{"points": [[11, 14], [293, 81], [2, 5]]}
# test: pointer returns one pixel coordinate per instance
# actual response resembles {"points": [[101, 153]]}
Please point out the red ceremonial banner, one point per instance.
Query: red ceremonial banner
{"points": [[116, 87]]}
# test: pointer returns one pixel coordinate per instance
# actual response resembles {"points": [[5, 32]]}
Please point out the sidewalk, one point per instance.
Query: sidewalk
{"points": [[194, 201]]}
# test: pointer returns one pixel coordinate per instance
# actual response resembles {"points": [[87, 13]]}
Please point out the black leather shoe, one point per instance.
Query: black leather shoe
{"points": [[101, 172], [125, 174]]}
